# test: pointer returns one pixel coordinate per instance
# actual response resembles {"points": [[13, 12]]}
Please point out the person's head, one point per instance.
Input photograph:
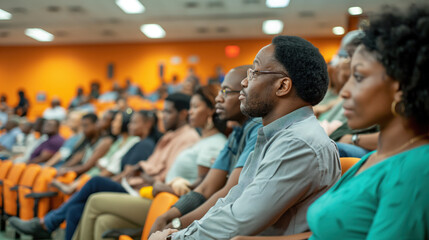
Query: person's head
{"points": [[143, 124], [202, 108], [120, 123], [55, 102], [74, 120], [286, 75], [389, 72], [79, 91], [121, 104], [25, 126], [38, 124], [21, 93], [51, 127], [89, 125], [11, 124], [227, 103], [175, 111], [105, 122], [84, 100], [190, 85]]}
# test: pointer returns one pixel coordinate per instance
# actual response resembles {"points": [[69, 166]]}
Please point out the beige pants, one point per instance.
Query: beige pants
{"points": [[105, 211]]}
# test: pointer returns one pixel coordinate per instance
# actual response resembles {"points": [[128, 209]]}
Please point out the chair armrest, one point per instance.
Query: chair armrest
{"points": [[41, 195], [16, 187], [299, 236]]}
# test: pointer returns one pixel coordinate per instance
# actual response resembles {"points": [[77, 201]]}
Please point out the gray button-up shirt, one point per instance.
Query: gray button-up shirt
{"points": [[294, 162]]}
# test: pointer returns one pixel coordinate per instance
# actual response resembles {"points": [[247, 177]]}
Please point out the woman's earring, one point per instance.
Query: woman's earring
{"points": [[393, 108]]}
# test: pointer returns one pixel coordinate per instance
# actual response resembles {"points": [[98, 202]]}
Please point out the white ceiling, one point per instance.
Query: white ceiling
{"points": [[101, 21]]}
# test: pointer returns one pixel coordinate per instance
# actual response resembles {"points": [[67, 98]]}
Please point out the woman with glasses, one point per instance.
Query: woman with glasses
{"points": [[386, 194]]}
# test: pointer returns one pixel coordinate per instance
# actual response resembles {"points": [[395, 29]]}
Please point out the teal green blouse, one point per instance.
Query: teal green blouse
{"points": [[389, 200]]}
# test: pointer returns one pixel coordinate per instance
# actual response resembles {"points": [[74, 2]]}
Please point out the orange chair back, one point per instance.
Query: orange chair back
{"points": [[26, 180], [137, 103], [65, 131], [347, 163], [160, 204], [4, 170], [67, 178], [40, 185]]}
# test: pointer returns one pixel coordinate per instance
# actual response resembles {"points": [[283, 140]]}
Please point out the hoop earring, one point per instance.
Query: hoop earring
{"points": [[393, 108]]}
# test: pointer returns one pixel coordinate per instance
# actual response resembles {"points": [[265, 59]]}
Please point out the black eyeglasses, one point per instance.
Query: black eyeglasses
{"points": [[225, 92], [251, 73]]}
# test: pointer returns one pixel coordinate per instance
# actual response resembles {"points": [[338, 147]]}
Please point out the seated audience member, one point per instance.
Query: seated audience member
{"points": [[193, 164], [145, 124], [85, 105], [74, 123], [53, 143], [94, 92], [111, 95], [133, 89], [179, 136], [25, 138], [55, 111], [8, 139], [230, 161], [386, 194], [77, 99], [121, 104], [294, 161], [98, 140], [40, 138]]}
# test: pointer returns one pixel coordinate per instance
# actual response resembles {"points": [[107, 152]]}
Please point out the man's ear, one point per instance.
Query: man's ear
{"points": [[284, 86]]}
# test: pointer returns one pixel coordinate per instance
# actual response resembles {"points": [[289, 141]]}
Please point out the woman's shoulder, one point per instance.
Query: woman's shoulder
{"points": [[412, 164]]}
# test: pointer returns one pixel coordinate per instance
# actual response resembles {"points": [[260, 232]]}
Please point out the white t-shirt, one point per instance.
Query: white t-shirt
{"points": [[203, 153]]}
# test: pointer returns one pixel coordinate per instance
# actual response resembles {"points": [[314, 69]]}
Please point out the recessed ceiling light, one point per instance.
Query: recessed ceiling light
{"points": [[272, 26], [130, 6], [338, 30], [39, 34], [355, 10], [277, 3], [5, 15], [152, 30]]}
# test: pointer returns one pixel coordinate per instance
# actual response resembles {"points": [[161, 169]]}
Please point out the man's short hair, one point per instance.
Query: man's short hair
{"points": [[91, 116], [180, 101], [305, 66]]}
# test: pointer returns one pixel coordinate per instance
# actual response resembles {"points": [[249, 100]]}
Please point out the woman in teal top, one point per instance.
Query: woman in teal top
{"points": [[386, 194]]}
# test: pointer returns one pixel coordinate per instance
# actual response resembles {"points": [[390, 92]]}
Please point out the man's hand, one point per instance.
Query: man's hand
{"points": [[162, 235], [158, 187]]}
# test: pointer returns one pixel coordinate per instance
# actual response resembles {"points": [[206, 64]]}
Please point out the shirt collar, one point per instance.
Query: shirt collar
{"points": [[287, 120]]}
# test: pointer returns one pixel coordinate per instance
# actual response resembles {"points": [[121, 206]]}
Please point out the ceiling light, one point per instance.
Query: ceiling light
{"points": [[338, 30], [277, 3], [130, 6], [272, 26], [39, 34], [152, 30], [5, 15], [355, 11]]}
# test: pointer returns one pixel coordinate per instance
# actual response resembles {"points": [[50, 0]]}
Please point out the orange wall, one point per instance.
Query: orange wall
{"points": [[58, 70]]}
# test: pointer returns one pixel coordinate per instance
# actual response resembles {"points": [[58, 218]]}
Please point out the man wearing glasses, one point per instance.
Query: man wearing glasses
{"points": [[294, 161]]}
